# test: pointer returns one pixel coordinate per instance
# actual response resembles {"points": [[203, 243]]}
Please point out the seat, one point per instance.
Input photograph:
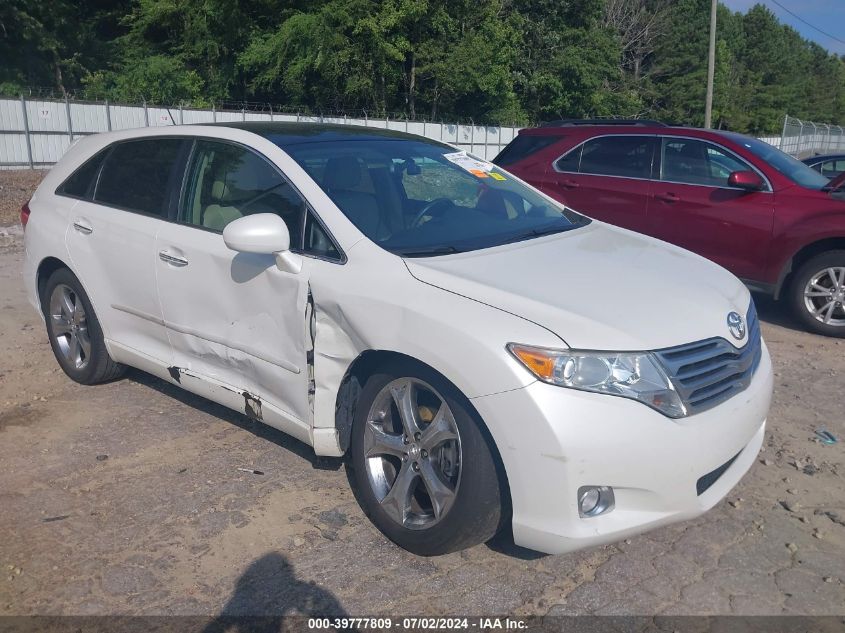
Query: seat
{"points": [[342, 174], [217, 214], [688, 165], [500, 204]]}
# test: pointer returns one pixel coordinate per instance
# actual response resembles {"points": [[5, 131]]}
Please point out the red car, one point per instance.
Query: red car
{"points": [[770, 219]]}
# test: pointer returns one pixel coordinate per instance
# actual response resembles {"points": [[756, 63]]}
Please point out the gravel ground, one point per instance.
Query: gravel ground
{"points": [[16, 187], [126, 498]]}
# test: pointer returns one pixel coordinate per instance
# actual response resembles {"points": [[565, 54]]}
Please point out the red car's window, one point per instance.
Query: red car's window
{"points": [[697, 162], [626, 156]]}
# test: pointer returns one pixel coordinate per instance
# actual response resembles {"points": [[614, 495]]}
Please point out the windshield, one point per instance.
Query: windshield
{"points": [[792, 168], [419, 199]]}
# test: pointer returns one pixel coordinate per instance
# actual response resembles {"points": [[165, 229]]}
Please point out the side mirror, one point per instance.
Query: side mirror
{"points": [[263, 234], [746, 179]]}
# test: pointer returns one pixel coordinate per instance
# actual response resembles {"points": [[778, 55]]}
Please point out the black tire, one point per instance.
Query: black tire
{"points": [[96, 367], [802, 277], [479, 505]]}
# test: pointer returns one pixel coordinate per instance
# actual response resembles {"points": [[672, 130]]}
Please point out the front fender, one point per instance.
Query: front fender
{"points": [[373, 303]]}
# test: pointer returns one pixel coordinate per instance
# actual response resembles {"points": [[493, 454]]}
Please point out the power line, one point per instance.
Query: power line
{"points": [[798, 17]]}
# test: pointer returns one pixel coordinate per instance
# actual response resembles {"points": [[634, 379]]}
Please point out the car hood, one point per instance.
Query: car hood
{"points": [[598, 287]]}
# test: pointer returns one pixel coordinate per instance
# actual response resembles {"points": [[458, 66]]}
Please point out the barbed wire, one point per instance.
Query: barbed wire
{"points": [[82, 95]]}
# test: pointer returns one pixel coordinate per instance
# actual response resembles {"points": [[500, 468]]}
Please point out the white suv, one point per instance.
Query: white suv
{"points": [[482, 354]]}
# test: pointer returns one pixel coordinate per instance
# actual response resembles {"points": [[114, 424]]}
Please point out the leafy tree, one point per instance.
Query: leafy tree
{"points": [[494, 61], [53, 44]]}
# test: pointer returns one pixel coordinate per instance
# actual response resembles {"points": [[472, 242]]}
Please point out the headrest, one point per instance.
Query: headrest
{"points": [[235, 184], [690, 150], [342, 172], [218, 188]]}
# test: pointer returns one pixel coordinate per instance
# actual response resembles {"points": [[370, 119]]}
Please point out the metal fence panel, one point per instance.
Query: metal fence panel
{"points": [[13, 150], [229, 116], [40, 137], [126, 117], [37, 132], [87, 119], [11, 116], [197, 116], [46, 116]]}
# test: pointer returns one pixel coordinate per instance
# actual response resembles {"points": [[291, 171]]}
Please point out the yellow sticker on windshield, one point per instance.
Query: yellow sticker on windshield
{"points": [[496, 176]]}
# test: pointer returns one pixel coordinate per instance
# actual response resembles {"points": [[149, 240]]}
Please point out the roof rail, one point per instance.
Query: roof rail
{"points": [[635, 122]]}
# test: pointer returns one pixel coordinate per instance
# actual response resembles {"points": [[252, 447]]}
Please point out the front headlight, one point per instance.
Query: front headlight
{"points": [[635, 375]]}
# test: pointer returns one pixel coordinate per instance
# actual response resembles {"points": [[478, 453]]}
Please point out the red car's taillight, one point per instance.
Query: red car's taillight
{"points": [[25, 214]]}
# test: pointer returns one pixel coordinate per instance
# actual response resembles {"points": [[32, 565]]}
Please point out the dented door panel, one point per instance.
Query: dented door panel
{"points": [[237, 320]]}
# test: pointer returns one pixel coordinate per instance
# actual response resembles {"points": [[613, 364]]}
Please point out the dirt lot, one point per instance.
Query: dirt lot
{"points": [[15, 188], [127, 498]]}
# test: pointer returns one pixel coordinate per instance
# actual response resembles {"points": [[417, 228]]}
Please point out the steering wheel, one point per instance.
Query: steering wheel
{"points": [[428, 208]]}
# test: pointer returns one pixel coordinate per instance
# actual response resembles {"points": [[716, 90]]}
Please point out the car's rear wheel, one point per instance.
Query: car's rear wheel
{"points": [[423, 469], [818, 294], [74, 331]]}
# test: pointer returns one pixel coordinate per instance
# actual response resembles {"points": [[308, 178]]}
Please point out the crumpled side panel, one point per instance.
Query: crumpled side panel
{"points": [[337, 344], [249, 332]]}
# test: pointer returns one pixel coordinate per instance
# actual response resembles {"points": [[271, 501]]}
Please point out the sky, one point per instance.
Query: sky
{"points": [[828, 15]]}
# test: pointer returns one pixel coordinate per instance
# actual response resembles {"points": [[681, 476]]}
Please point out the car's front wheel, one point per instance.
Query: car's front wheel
{"points": [[423, 469], [74, 331], [818, 294]]}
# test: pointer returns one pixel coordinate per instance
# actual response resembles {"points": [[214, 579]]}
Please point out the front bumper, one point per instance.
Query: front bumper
{"points": [[553, 440]]}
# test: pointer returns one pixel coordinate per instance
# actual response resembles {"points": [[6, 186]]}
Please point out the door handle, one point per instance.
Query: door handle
{"points": [[570, 184], [83, 227], [668, 197], [173, 260]]}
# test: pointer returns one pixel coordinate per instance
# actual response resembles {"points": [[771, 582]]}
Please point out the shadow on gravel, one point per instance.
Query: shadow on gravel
{"points": [[266, 592], [503, 543], [775, 312], [240, 420]]}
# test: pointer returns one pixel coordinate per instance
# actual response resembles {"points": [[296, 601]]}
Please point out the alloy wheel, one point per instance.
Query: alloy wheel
{"points": [[412, 452], [824, 296], [69, 326]]}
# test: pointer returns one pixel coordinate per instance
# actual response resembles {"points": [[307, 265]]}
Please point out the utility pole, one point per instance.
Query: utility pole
{"points": [[711, 67]]}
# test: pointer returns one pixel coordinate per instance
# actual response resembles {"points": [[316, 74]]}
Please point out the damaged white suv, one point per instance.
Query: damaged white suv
{"points": [[483, 355]]}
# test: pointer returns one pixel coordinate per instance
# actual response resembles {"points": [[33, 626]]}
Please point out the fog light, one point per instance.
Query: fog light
{"points": [[595, 500]]}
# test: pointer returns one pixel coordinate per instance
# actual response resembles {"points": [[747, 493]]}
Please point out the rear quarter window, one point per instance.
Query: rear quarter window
{"points": [[522, 146], [136, 175], [81, 183]]}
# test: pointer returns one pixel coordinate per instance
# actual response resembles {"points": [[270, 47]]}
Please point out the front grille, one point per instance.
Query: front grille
{"points": [[707, 373]]}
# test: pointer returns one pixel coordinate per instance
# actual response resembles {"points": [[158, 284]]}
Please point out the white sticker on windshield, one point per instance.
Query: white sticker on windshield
{"points": [[474, 166]]}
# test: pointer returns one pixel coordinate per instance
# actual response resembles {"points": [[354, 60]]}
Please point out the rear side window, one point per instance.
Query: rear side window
{"points": [[136, 175], [523, 146], [626, 156], [570, 161], [81, 183]]}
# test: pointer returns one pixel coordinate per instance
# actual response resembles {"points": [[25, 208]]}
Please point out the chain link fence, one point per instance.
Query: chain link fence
{"points": [[805, 138]]}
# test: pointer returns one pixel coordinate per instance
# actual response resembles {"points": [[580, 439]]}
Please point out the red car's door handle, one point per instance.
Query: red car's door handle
{"points": [[668, 197], [569, 184]]}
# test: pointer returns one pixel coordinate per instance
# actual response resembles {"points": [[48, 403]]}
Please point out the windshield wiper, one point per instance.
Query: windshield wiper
{"points": [[549, 230], [426, 251]]}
